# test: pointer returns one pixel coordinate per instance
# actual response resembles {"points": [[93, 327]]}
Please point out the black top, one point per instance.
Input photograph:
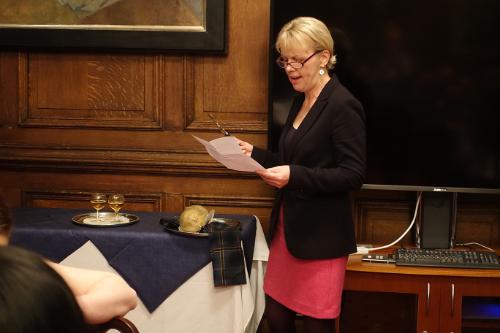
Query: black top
{"points": [[288, 142], [326, 155]]}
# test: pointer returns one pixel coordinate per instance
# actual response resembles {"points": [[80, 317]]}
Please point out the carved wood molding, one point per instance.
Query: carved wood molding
{"points": [[230, 125], [112, 160], [109, 95], [229, 202], [80, 199]]}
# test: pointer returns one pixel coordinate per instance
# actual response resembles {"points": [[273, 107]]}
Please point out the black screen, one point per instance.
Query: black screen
{"points": [[428, 75]]}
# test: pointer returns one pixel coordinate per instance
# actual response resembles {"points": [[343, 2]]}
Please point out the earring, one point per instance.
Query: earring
{"points": [[321, 72]]}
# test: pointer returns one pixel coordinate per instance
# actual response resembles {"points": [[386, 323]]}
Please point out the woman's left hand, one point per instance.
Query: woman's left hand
{"points": [[246, 148], [277, 176]]}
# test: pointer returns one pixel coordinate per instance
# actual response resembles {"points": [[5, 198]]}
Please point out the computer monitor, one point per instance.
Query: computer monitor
{"points": [[428, 76]]}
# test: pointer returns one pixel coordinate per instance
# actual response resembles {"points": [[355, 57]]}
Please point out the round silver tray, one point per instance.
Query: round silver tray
{"points": [[106, 219]]}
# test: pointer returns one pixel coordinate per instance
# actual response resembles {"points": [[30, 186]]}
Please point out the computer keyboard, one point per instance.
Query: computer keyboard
{"points": [[446, 258]]}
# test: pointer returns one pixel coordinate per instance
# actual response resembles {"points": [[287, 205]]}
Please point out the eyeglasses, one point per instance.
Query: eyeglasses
{"points": [[283, 62]]}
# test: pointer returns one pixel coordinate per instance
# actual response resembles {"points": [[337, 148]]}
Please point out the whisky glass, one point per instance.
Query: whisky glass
{"points": [[98, 202], [116, 202]]}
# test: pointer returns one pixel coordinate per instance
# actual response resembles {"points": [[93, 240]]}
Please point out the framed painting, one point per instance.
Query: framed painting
{"points": [[155, 25]]}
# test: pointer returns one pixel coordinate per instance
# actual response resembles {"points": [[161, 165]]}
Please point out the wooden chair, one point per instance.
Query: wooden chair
{"points": [[122, 325]]}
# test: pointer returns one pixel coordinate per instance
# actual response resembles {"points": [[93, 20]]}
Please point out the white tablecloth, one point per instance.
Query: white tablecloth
{"points": [[196, 306]]}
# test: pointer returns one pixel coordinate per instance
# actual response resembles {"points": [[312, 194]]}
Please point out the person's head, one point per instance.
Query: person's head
{"points": [[306, 52], [5, 223], [34, 298]]}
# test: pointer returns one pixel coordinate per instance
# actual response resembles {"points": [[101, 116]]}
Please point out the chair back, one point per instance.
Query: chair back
{"points": [[121, 324]]}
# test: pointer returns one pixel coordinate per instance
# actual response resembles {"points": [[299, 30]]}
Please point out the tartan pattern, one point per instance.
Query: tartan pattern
{"points": [[227, 258]]}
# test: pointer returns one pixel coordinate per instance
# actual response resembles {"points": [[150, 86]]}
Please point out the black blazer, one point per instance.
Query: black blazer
{"points": [[327, 160]]}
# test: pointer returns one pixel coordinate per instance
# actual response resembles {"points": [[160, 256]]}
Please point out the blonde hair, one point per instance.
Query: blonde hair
{"points": [[307, 30]]}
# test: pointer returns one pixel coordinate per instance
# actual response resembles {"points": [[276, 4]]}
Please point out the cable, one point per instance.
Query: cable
{"points": [[365, 250], [475, 243]]}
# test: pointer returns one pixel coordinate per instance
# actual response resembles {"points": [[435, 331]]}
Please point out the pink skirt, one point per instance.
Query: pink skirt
{"points": [[310, 287]]}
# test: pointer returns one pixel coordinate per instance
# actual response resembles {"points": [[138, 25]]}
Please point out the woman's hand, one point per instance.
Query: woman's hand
{"points": [[277, 176], [246, 148]]}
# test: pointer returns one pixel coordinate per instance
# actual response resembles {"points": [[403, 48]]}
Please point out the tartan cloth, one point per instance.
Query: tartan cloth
{"points": [[227, 255], [225, 250]]}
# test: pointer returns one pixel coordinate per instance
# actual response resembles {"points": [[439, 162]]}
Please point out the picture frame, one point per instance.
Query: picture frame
{"points": [[207, 36]]}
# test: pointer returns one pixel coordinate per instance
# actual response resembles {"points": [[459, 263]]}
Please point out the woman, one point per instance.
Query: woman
{"points": [[100, 295], [321, 158], [34, 298]]}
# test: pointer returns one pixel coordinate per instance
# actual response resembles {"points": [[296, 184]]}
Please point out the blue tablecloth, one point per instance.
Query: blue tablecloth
{"points": [[154, 262]]}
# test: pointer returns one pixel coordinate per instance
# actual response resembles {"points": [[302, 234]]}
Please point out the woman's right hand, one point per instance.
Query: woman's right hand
{"points": [[246, 148]]}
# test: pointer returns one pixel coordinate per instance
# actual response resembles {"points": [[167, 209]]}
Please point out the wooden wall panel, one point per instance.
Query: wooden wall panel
{"points": [[234, 89], [382, 222], [9, 86], [90, 90], [234, 84], [479, 223]]}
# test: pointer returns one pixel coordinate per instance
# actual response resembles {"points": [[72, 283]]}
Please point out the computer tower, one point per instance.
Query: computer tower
{"points": [[437, 220]]}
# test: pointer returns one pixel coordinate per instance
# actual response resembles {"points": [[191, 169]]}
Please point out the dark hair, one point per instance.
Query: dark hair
{"points": [[35, 298]]}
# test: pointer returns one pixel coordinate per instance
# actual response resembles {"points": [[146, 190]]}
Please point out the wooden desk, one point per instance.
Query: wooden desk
{"points": [[436, 294]]}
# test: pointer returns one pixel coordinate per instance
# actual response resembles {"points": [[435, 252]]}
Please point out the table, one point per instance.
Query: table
{"points": [[416, 299], [172, 274]]}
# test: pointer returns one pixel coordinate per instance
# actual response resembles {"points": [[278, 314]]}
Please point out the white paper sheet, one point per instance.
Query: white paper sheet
{"points": [[227, 151]]}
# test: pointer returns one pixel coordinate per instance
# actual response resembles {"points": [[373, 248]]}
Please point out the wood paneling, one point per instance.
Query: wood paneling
{"points": [[90, 90], [9, 86], [94, 122], [379, 221], [479, 222], [148, 202], [382, 216], [234, 85]]}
